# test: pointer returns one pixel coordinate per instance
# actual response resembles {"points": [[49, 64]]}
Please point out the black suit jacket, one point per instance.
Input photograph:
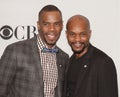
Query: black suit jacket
{"points": [[21, 71], [98, 76]]}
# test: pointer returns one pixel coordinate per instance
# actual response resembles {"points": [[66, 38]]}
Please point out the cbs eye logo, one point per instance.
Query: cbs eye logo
{"points": [[7, 32]]}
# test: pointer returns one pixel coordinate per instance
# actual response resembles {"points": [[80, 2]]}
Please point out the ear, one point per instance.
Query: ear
{"points": [[66, 33], [38, 25], [90, 32], [62, 26]]}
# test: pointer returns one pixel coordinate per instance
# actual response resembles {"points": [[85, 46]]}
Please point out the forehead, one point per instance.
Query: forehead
{"points": [[52, 15], [77, 26]]}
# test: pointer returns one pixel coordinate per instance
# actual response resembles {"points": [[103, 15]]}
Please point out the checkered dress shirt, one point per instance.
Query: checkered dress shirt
{"points": [[49, 67]]}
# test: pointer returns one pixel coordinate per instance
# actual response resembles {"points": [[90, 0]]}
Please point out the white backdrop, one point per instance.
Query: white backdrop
{"points": [[21, 17]]}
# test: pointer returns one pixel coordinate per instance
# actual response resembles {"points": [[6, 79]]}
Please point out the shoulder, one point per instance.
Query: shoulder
{"points": [[100, 56], [99, 53], [22, 44]]}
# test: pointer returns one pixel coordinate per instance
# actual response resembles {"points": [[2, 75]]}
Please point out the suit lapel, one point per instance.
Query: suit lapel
{"points": [[59, 66], [60, 72], [59, 63], [36, 59]]}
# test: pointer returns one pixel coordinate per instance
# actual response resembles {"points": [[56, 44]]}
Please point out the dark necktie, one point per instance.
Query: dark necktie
{"points": [[53, 50]]}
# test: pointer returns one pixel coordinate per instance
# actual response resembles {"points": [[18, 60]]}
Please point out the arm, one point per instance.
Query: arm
{"points": [[7, 70], [107, 80]]}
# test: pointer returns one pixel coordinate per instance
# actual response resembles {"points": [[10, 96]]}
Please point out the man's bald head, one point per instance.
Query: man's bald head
{"points": [[79, 19]]}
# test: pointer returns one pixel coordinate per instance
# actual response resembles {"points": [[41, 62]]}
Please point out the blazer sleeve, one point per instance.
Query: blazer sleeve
{"points": [[107, 80], [7, 70]]}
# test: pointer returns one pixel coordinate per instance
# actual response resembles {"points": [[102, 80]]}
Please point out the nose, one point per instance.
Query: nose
{"points": [[77, 38], [52, 28]]}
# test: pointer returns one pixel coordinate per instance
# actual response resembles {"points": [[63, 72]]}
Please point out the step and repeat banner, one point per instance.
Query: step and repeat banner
{"points": [[18, 19]]}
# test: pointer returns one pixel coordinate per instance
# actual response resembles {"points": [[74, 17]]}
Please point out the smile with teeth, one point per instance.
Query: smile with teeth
{"points": [[77, 44], [51, 36]]}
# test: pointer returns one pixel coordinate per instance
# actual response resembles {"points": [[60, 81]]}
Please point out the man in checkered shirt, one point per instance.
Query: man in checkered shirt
{"points": [[36, 67]]}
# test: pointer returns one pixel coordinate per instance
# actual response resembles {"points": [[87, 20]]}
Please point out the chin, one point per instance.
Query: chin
{"points": [[77, 51], [51, 43]]}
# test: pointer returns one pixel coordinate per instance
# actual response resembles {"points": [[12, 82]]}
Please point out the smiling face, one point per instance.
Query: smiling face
{"points": [[49, 27], [78, 35]]}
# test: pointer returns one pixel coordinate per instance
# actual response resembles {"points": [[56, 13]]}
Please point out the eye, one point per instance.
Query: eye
{"points": [[71, 34], [58, 24], [45, 24], [83, 34]]}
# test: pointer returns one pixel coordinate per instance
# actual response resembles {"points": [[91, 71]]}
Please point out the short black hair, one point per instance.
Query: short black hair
{"points": [[49, 8]]}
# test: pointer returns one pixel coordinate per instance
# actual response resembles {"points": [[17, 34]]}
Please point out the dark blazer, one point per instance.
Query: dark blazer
{"points": [[98, 76], [21, 71]]}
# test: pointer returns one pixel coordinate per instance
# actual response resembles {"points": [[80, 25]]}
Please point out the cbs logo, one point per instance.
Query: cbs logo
{"points": [[19, 32]]}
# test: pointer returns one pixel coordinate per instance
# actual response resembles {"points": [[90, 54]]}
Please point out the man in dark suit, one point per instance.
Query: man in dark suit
{"points": [[91, 72], [35, 67]]}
